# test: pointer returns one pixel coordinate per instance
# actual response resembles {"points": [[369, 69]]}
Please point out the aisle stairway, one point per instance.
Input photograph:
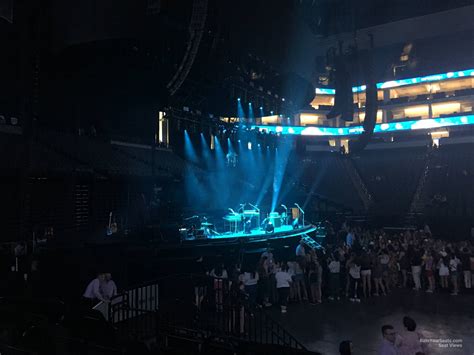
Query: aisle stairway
{"points": [[358, 183]]}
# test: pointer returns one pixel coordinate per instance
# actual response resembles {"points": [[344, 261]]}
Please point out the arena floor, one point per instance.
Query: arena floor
{"points": [[440, 318]]}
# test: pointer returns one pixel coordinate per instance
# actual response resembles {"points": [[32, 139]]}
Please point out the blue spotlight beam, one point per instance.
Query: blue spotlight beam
{"points": [[291, 182], [281, 159], [240, 111], [189, 151], [318, 176], [206, 152], [220, 156], [251, 114], [222, 176]]}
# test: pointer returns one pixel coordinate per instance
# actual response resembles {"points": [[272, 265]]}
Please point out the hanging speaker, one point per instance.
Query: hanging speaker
{"points": [[371, 106], [343, 101]]}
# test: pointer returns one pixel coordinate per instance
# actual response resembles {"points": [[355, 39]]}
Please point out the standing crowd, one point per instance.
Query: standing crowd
{"points": [[357, 265]]}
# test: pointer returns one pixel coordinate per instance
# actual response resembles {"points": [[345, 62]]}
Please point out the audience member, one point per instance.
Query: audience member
{"points": [[219, 274], [283, 280], [354, 274], [366, 272], [263, 284], [250, 278], [454, 263], [345, 347], [410, 340], [334, 267], [315, 279], [387, 347], [466, 267], [95, 290], [109, 288]]}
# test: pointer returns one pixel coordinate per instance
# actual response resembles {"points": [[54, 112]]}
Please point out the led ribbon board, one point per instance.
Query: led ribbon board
{"points": [[404, 82], [379, 128]]}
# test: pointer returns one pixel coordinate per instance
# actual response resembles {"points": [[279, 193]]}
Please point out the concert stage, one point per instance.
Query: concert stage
{"points": [[255, 236], [244, 227]]}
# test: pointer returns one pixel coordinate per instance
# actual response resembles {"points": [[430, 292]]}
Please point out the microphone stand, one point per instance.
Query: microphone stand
{"points": [[286, 214]]}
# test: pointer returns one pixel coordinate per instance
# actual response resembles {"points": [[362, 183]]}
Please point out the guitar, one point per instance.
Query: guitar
{"points": [[109, 227], [114, 227]]}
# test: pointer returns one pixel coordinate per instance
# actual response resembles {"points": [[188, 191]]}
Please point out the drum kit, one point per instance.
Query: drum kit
{"points": [[197, 228]]}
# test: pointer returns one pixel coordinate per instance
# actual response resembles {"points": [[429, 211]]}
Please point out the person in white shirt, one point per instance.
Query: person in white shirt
{"points": [[268, 253], [250, 281], [334, 267], [95, 290], [219, 273], [354, 274], [454, 262], [283, 281], [443, 271], [410, 340], [109, 288]]}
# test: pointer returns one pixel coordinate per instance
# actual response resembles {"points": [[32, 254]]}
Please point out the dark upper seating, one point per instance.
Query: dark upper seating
{"points": [[391, 176], [165, 160], [326, 176], [449, 185], [99, 155], [10, 145]]}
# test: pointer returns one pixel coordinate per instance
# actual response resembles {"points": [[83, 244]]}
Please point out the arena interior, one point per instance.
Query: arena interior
{"points": [[250, 177]]}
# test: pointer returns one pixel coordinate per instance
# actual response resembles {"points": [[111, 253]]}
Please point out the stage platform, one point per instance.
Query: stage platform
{"points": [[255, 236]]}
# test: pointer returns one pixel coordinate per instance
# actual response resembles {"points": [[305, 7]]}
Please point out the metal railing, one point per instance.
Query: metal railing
{"points": [[136, 324], [228, 314], [236, 322], [135, 311]]}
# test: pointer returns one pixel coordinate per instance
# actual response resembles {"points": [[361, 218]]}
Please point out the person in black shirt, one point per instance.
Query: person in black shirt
{"points": [[404, 263], [415, 263], [366, 274], [466, 267], [201, 281]]}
